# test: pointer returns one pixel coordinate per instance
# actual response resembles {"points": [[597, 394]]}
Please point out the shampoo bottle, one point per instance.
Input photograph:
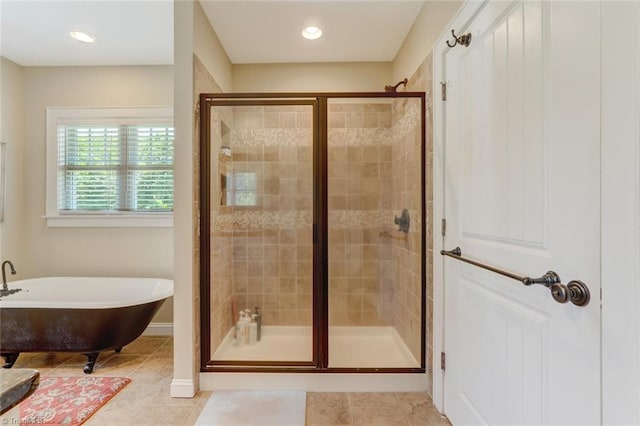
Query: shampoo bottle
{"points": [[253, 331], [258, 320], [245, 327], [240, 329]]}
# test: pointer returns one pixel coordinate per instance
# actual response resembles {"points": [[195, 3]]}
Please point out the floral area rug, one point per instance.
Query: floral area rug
{"points": [[68, 400]]}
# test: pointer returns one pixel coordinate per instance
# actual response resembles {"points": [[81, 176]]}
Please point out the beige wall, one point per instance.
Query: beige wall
{"points": [[12, 133], [185, 378], [88, 251], [209, 50], [194, 43], [428, 26], [312, 77]]}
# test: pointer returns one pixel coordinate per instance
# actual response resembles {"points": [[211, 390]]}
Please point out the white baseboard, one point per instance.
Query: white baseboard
{"points": [[159, 329], [183, 388]]}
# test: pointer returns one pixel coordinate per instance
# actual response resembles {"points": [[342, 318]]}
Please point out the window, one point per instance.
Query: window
{"points": [[109, 166], [241, 189]]}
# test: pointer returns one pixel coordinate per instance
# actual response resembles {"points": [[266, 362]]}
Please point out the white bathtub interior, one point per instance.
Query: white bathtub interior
{"points": [[350, 347], [86, 292]]}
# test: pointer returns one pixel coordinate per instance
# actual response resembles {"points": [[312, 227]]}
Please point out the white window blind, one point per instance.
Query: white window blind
{"points": [[114, 168]]}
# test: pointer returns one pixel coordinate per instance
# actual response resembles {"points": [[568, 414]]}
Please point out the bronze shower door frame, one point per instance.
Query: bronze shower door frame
{"points": [[320, 304]]}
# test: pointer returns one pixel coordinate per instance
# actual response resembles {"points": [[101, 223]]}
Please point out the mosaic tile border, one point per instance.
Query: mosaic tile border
{"points": [[338, 219], [359, 137], [271, 137], [259, 220]]}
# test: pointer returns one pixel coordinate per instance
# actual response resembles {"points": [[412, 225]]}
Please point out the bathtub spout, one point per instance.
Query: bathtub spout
{"points": [[4, 274]]}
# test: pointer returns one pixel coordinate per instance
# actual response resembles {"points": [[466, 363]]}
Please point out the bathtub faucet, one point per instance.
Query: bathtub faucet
{"points": [[4, 274]]}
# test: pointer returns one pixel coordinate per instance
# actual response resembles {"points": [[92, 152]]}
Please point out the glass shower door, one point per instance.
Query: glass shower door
{"points": [[261, 232], [375, 272]]}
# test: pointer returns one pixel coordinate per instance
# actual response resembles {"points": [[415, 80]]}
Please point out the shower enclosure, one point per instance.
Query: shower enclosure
{"points": [[312, 214]]}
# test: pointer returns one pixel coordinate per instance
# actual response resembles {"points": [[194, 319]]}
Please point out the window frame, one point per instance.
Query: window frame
{"points": [[96, 115]]}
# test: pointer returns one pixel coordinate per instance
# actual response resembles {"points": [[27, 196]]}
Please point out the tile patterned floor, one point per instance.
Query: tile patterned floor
{"points": [[145, 401], [403, 408]]}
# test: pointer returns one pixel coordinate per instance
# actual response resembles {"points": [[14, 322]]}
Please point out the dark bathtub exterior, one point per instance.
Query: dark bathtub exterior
{"points": [[87, 331]]}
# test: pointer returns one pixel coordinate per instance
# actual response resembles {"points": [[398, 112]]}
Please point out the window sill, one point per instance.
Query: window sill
{"points": [[110, 221]]}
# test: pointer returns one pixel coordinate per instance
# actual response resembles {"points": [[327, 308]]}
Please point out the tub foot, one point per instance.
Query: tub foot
{"points": [[91, 361], [9, 358]]}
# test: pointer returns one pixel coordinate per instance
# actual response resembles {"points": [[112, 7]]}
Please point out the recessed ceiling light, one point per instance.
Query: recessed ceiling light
{"points": [[82, 36], [311, 33]]}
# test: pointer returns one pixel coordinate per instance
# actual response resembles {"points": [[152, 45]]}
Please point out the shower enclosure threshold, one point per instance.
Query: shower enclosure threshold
{"points": [[317, 382]]}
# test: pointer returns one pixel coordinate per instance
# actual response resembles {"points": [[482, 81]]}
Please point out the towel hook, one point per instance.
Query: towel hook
{"points": [[464, 39]]}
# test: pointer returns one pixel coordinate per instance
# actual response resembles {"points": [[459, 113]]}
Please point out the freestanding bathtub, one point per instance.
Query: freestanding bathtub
{"points": [[77, 314]]}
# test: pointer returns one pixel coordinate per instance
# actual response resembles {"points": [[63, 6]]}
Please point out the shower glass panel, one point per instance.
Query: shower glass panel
{"points": [[261, 228], [375, 273]]}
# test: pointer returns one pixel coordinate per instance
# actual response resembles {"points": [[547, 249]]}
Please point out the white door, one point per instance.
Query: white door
{"points": [[522, 193]]}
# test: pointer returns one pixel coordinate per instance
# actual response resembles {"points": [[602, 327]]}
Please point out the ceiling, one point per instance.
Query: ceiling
{"points": [[35, 33], [270, 31]]}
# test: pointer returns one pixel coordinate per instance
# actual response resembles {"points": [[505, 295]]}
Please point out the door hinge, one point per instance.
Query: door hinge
{"points": [[443, 227], [444, 90], [443, 361]]}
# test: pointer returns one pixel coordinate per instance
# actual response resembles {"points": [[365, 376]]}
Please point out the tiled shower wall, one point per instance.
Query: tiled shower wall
{"points": [[271, 239], [360, 219], [221, 246], [406, 264]]}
